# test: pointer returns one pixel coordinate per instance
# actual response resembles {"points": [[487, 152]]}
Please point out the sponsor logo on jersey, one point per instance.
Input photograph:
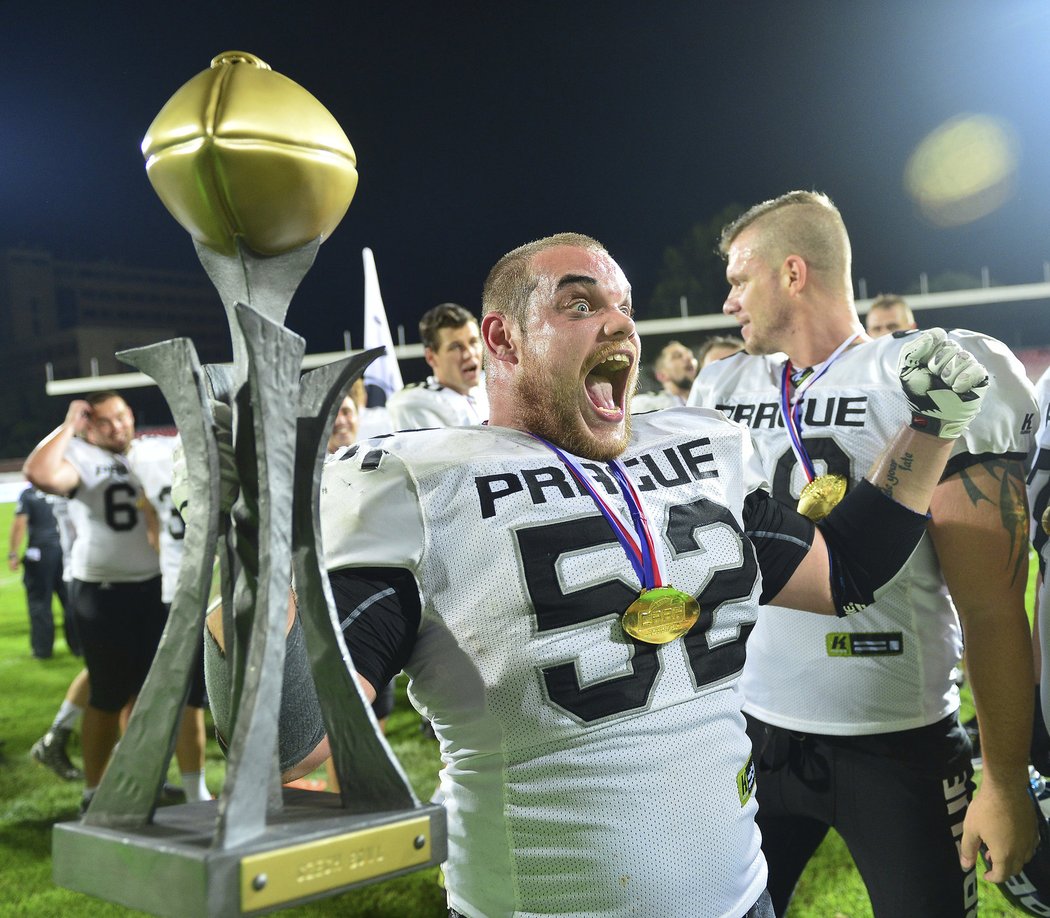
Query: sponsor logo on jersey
{"points": [[666, 468], [1027, 423], [873, 644], [745, 780], [115, 468], [837, 411]]}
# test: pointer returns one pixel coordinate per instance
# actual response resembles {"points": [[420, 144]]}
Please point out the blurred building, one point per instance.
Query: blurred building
{"points": [[75, 315], [70, 317]]}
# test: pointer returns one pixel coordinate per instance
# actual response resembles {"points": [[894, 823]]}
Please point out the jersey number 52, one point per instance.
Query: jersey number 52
{"points": [[691, 528]]}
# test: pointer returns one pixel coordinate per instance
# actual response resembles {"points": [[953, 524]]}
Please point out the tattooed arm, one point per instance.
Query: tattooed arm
{"points": [[979, 528]]}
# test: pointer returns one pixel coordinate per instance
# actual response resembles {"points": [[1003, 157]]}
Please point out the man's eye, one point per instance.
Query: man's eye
{"points": [[581, 306]]}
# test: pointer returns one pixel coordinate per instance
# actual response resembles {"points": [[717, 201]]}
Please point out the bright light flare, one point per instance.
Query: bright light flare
{"points": [[963, 170]]}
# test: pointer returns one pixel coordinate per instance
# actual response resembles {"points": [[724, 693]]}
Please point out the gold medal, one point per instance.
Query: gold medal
{"points": [[821, 495], [1045, 520], [660, 615]]}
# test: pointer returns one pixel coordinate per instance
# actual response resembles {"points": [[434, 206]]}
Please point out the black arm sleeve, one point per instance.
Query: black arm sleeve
{"points": [[870, 537], [379, 613], [782, 538]]}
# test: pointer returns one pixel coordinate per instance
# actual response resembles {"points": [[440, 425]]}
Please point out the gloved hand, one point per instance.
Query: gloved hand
{"points": [[943, 383]]}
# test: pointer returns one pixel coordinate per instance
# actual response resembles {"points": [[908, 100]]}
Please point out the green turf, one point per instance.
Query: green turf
{"points": [[32, 799]]}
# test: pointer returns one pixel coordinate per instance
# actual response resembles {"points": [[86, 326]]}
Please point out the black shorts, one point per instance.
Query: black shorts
{"points": [[198, 691], [120, 625], [897, 799]]}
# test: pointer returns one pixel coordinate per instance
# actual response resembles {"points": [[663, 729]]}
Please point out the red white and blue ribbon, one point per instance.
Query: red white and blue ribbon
{"points": [[791, 406], [644, 553]]}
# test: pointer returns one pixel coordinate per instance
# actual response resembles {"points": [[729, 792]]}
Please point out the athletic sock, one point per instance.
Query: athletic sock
{"points": [[67, 716], [196, 789]]}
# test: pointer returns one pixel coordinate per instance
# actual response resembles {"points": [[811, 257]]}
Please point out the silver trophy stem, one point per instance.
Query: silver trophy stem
{"points": [[266, 432], [265, 283]]}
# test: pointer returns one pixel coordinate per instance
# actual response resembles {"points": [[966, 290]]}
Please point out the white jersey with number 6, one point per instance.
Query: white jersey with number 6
{"points": [[111, 544]]}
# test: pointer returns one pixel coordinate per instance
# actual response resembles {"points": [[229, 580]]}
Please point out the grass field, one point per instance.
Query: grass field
{"points": [[32, 800]]}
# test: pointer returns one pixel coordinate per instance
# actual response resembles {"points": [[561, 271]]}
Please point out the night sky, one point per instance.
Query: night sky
{"points": [[480, 126]]}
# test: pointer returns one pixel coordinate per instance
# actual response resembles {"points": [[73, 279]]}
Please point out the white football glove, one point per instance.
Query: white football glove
{"points": [[943, 383]]}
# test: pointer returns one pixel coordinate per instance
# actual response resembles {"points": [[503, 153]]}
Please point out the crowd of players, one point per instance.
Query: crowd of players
{"points": [[582, 758]]}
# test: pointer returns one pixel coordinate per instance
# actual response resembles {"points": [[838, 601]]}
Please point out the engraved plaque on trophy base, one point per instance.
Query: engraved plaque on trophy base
{"points": [[312, 849]]}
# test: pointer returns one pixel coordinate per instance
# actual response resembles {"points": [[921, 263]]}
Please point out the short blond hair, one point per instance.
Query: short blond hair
{"points": [[803, 223]]}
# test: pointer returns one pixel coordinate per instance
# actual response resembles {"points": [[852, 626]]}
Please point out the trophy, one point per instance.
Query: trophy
{"points": [[259, 173]]}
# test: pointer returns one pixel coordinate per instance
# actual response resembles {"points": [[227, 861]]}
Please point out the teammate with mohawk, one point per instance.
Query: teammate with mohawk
{"points": [[855, 724]]}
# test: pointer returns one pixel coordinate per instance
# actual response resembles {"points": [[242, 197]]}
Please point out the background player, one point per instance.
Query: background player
{"points": [[716, 347], [887, 314], [855, 724], [36, 524], [674, 369], [454, 395], [166, 532], [117, 585]]}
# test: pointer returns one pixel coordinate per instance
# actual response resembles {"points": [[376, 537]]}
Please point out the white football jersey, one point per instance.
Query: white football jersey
{"points": [[67, 534], [891, 666], [154, 465], [374, 422], [586, 774], [1039, 469], [111, 544], [431, 404], [653, 401]]}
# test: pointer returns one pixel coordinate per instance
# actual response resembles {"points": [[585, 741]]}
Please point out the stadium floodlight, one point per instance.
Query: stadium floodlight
{"points": [[259, 173]]}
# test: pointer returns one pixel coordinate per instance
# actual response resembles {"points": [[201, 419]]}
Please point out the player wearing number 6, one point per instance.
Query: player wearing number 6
{"points": [[570, 590], [92, 458]]}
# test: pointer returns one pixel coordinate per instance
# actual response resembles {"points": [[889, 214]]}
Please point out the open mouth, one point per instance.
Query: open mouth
{"points": [[606, 385]]}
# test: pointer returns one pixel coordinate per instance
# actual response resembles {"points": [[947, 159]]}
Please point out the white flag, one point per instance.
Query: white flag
{"points": [[383, 371]]}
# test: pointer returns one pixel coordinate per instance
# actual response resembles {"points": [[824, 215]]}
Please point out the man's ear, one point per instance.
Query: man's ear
{"points": [[501, 337], [794, 272], [428, 356]]}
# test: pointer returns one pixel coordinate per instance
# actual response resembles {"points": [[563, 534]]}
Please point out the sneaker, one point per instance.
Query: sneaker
{"points": [[50, 751], [970, 726], [170, 795]]}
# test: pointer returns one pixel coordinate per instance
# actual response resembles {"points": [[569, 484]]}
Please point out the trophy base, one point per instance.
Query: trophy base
{"points": [[311, 850]]}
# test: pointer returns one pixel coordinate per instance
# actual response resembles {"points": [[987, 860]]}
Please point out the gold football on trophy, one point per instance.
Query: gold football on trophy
{"points": [[242, 151]]}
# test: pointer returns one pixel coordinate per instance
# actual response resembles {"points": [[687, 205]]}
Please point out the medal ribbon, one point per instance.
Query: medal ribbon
{"points": [[642, 551], [791, 408]]}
